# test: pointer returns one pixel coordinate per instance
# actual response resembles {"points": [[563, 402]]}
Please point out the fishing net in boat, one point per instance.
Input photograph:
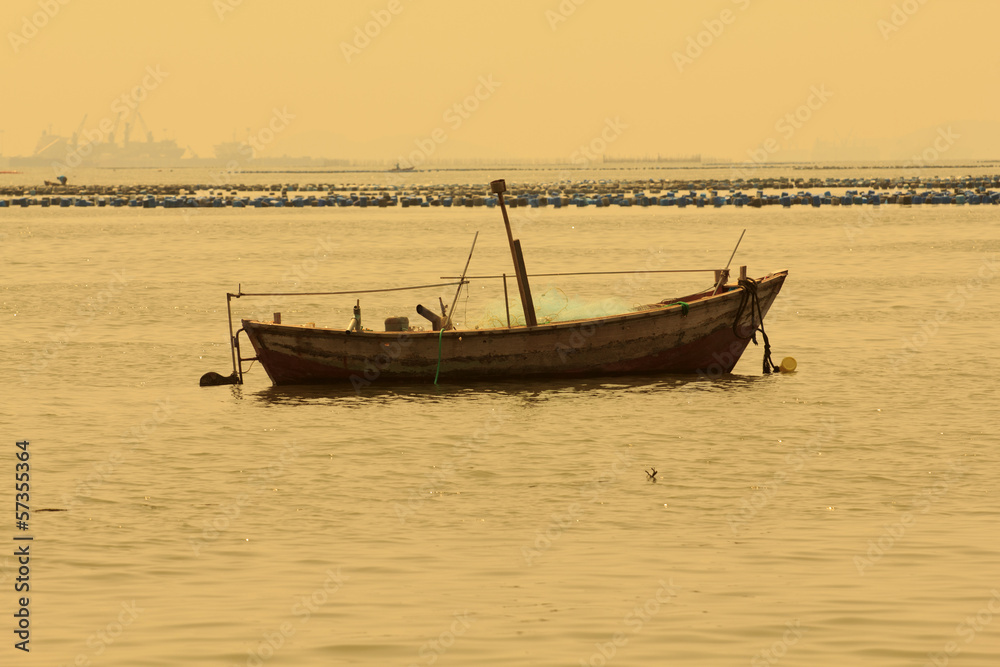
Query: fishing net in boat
{"points": [[552, 305]]}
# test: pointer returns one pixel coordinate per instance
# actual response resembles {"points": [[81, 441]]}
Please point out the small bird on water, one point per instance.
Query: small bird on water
{"points": [[651, 474]]}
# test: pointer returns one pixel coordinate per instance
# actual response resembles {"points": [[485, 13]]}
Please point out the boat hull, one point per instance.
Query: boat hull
{"points": [[661, 339]]}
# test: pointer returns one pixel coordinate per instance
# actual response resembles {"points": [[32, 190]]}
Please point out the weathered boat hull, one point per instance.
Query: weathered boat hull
{"points": [[661, 339]]}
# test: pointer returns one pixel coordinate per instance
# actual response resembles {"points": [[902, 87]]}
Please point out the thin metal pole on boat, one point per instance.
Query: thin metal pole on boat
{"points": [[461, 281], [499, 187], [722, 276], [506, 301], [232, 345]]}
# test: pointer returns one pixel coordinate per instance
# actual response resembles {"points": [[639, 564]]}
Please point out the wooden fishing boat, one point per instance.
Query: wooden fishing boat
{"points": [[701, 333]]}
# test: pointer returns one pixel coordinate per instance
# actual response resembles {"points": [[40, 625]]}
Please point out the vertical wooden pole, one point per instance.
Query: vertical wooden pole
{"points": [[526, 301], [499, 187]]}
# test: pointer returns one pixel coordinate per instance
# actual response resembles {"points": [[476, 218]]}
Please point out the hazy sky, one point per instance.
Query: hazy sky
{"points": [[520, 78]]}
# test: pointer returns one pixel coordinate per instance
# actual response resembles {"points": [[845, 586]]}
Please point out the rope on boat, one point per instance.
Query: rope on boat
{"points": [[438, 371], [750, 297], [685, 307], [357, 291], [594, 273]]}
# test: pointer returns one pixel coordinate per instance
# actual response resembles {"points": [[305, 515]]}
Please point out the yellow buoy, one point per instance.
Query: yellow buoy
{"points": [[788, 365]]}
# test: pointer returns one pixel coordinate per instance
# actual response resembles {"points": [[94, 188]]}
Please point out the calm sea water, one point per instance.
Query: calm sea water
{"points": [[843, 514]]}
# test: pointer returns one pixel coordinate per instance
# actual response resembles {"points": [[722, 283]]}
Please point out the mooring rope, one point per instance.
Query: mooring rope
{"points": [[751, 298]]}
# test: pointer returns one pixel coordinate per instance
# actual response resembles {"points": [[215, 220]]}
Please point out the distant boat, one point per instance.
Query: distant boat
{"points": [[398, 168], [239, 151], [704, 332]]}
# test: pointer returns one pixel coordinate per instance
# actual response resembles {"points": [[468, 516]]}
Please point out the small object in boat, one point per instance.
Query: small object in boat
{"points": [[651, 474], [355, 323], [433, 317], [397, 323], [788, 365]]}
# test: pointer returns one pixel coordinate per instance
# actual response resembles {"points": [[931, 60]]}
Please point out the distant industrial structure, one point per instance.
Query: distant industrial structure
{"points": [[99, 148], [117, 147]]}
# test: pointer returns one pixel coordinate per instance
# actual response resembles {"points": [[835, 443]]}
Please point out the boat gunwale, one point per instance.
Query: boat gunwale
{"points": [[697, 300]]}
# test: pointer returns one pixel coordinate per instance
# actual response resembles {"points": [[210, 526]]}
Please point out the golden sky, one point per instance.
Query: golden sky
{"points": [[518, 79]]}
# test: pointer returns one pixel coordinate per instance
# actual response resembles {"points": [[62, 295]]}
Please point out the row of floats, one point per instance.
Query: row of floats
{"points": [[553, 199], [588, 187]]}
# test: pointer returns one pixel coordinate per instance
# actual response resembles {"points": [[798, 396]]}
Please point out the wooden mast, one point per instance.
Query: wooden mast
{"points": [[499, 187]]}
